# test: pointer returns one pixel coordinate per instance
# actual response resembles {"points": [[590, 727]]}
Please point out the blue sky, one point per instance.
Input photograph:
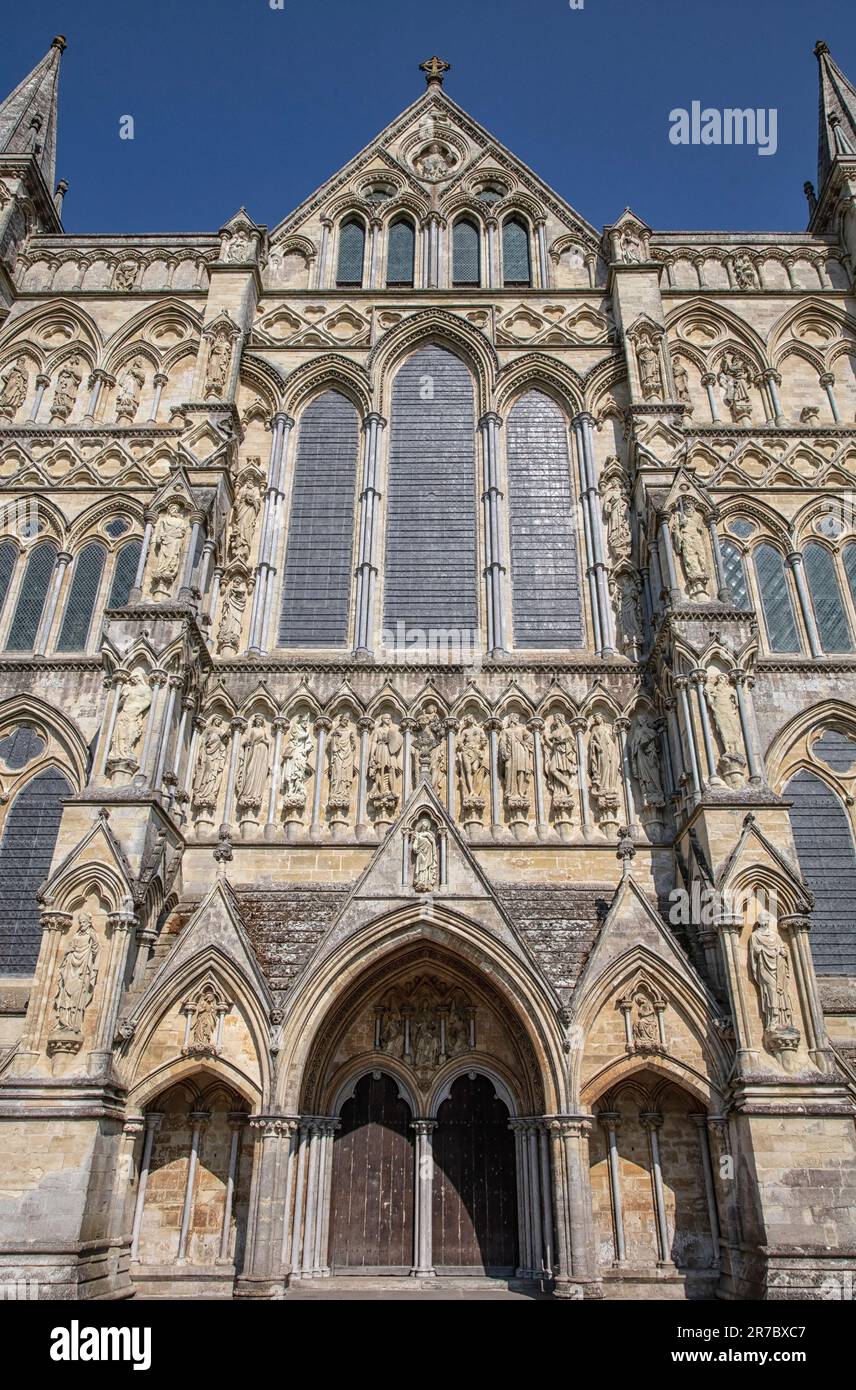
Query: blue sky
{"points": [[237, 103]]}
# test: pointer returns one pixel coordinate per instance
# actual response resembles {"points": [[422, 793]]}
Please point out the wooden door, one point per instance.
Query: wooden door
{"points": [[475, 1182], [371, 1218]]}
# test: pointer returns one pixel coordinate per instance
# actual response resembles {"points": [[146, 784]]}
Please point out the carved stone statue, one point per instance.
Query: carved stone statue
{"points": [[78, 973], [210, 764], [254, 766], [682, 381], [134, 703], [690, 542], [125, 275], [650, 372], [603, 767], [429, 746], [247, 507], [616, 514], [204, 1021], [625, 590], [239, 249], [516, 748], [67, 385], [770, 969], [296, 765], [436, 162], [13, 388], [170, 534], [745, 273], [219, 362], [341, 754], [632, 249], [232, 609], [423, 849], [725, 716], [560, 763], [473, 764], [644, 749], [384, 765], [128, 391], [734, 378]]}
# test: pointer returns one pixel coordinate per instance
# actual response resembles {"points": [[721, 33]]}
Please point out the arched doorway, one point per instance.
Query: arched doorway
{"points": [[371, 1216], [474, 1208]]}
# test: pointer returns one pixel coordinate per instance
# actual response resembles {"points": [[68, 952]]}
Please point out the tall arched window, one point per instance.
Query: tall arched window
{"points": [[316, 586], [735, 575], [826, 599], [848, 556], [782, 634], [546, 605], [352, 246], [515, 253], [82, 596], [31, 599], [466, 253], [827, 859], [124, 574], [8, 556], [26, 851], [430, 566], [399, 253]]}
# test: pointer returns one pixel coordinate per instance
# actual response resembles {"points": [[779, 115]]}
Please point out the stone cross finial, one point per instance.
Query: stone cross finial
{"points": [[435, 70]]}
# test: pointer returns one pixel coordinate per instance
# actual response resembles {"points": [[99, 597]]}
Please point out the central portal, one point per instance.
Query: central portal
{"points": [[371, 1218], [474, 1217]]}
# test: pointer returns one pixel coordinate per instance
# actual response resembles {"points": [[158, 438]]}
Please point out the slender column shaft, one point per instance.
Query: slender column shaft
{"points": [[226, 1229], [198, 1119], [299, 1200], [63, 560], [237, 725], [610, 1121], [795, 562], [153, 1120], [652, 1123], [579, 726], [700, 1121]]}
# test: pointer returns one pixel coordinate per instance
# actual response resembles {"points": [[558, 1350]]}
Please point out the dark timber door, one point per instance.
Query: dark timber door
{"points": [[371, 1220], [475, 1183]]}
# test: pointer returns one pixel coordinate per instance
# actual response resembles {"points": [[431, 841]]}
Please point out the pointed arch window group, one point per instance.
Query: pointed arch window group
{"points": [[359, 248]]}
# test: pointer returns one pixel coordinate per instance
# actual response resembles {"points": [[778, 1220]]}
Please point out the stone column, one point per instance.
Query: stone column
{"points": [[120, 925], [423, 1267], [795, 561], [367, 569], [97, 380], [322, 725], [153, 1120], [198, 1119], [583, 429], [543, 268], [794, 930], [237, 726], [174, 684], [42, 384], [159, 381], [494, 523], [185, 588], [237, 1120], [299, 1199], [365, 724], [307, 1263], [562, 1263], [451, 727], [773, 381], [546, 1196], [827, 381], [323, 1267], [536, 726], [321, 268], [689, 732], [621, 726], [723, 592], [652, 1122], [157, 679], [667, 561], [266, 566], [535, 1198], [524, 1227], [264, 1243], [699, 680], [575, 1137], [579, 727], [729, 927], [700, 1122], [740, 679], [492, 277], [270, 825], [610, 1119], [493, 727]]}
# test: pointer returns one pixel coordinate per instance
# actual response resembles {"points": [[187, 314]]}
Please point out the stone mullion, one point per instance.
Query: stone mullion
{"points": [[795, 561], [266, 568], [423, 1258], [63, 560], [489, 427], [367, 569]]}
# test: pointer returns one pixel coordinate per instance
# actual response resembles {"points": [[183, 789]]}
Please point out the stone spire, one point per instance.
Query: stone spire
{"points": [[837, 119], [28, 115]]}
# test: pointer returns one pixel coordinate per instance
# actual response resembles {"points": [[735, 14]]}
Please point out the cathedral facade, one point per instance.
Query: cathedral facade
{"points": [[427, 736]]}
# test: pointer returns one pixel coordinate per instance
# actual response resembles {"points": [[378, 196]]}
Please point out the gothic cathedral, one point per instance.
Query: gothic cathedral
{"points": [[427, 736]]}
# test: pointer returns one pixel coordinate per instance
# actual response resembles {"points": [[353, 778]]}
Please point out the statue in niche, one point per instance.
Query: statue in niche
{"points": [[690, 542], [170, 534], [341, 754], [423, 849], [616, 514], [725, 716], [232, 614], [78, 973], [644, 749], [745, 273], [210, 764], [219, 362], [646, 1033], [473, 763], [391, 1033], [560, 764], [650, 372], [204, 1021], [429, 746], [770, 969], [67, 385], [239, 249], [424, 1032], [125, 276], [436, 162], [457, 1031], [624, 591], [384, 766], [254, 765], [134, 703], [130, 385], [682, 381], [247, 508], [296, 765], [603, 768], [734, 378], [13, 389], [632, 248], [516, 750]]}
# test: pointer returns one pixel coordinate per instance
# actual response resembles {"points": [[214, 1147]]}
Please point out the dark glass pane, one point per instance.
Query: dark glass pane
{"points": [[466, 259], [83, 593], [25, 858], [399, 259], [8, 556], [31, 600], [827, 860], [515, 253], [776, 600], [826, 599], [352, 240], [124, 574], [735, 575]]}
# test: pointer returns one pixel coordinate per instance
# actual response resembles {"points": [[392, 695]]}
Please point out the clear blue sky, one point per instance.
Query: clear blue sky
{"points": [[236, 103]]}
